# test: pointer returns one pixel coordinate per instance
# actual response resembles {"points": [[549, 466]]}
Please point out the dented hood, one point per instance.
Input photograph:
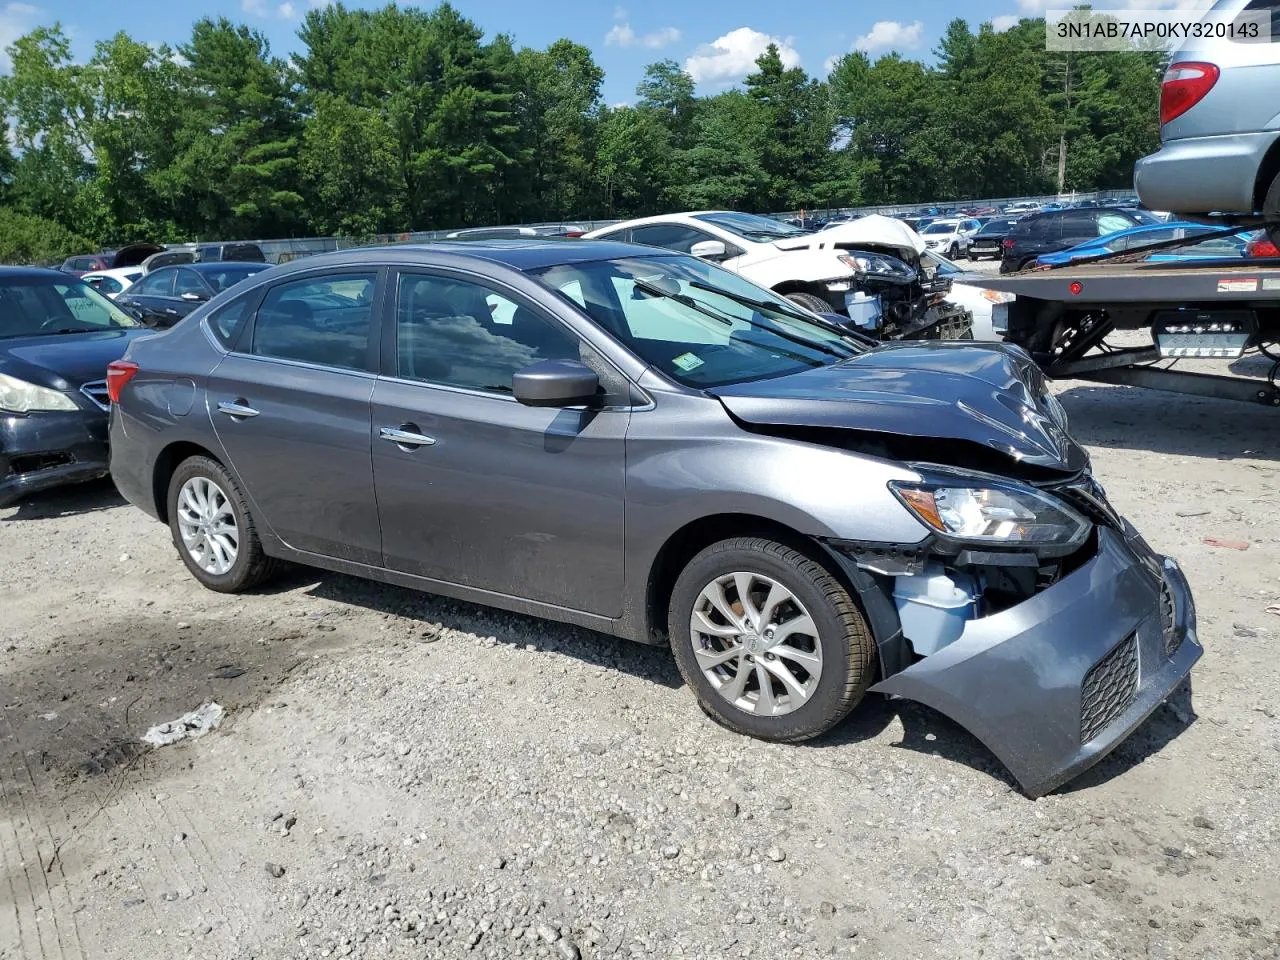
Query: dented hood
{"points": [[989, 394]]}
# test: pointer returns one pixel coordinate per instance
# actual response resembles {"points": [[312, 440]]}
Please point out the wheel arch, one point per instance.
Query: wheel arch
{"points": [[166, 463], [1268, 172]]}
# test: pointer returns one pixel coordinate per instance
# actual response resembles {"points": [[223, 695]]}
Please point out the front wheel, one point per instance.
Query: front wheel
{"points": [[213, 529], [771, 643], [954, 252], [810, 302]]}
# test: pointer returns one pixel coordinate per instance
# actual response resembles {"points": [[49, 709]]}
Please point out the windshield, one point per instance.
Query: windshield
{"points": [[32, 306], [749, 226], [697, 324], [939, 228], [995, 226], [229, 276]]}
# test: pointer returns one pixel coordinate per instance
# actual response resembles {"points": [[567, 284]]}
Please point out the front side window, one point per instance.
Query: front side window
{"points": [[323, 320], [694, 322], [189, 282], [1112, 222], [460, 334], [672, 236], [159, 284]]}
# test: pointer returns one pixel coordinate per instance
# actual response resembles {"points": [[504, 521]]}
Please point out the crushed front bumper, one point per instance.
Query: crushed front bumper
{"points": [[1053, 684], [45, 450]]}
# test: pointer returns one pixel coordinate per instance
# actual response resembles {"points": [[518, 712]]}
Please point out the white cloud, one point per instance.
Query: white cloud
{"points": [[1007, 22], [255, 8], [890, 35], [287, 10], [16, 19], [830, 63], [621, 35], [732, 56], [619, 13]]}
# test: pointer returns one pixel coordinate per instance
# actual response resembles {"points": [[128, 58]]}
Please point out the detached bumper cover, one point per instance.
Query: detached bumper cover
{"points": [[46, 450], [1054, 684]]}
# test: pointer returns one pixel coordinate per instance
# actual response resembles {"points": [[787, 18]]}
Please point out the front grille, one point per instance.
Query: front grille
{"points": [[96, 390], [34, 463], [1108, 688]]}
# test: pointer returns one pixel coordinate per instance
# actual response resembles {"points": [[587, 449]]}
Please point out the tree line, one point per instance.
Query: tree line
{"points": [[408, 119]]}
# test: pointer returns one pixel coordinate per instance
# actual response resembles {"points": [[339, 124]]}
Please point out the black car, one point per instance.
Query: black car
{"points": [[57, 336], [165, 296], [1060, 229], [242, 252], [986, 242]]}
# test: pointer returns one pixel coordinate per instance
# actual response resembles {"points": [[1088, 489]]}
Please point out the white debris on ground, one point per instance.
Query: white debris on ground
{"points": [[194, 724]]}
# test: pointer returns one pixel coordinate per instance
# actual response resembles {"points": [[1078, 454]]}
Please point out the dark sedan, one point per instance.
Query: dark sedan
{"points": [[57, 336], [165, 296], [643, 443]]}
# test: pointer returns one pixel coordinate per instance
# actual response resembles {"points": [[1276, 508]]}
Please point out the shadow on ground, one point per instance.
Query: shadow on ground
{"points": [[66, 501], [1129, 418], [440, 613]]}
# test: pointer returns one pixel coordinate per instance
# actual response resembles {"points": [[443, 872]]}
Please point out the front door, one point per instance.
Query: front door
{"points": [[291, 408], [473, 487]]}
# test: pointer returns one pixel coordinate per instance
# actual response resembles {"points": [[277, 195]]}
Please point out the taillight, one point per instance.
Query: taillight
{"points": [[1261, 247], [1185, 85], [119, 372], [1007, 243]]}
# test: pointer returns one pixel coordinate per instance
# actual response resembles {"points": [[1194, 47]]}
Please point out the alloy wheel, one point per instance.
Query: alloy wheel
{"points": [[756, 644], [207, 526]]}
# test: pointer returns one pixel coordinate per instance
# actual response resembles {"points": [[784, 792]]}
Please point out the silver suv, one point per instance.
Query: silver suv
{"points": [[1220, 127]]}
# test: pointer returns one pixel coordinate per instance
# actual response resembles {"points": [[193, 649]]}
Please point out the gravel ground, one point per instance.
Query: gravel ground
{"points": [[404, 776]]}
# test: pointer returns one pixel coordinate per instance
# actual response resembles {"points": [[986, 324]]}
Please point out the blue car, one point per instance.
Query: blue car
{"points": [[1216, 248]]}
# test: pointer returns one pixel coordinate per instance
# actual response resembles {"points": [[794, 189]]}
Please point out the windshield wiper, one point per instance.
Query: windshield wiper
{"points": [[62, 330]]}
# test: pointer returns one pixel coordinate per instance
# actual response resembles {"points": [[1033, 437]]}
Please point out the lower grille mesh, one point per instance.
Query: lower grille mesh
{"points": [[1108, 688]]}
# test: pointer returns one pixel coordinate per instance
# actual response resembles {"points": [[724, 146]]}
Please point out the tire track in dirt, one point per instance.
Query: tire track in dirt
{"points": [[35, 846]]}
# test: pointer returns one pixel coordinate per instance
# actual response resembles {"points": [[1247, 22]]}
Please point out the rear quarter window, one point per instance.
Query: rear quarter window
{"points": [[227, 321]]}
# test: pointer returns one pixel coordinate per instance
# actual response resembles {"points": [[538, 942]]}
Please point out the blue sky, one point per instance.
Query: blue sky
{"points": [[716, 42]]}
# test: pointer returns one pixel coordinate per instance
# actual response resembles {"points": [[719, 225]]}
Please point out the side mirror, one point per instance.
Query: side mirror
{"points": [[709, 250], [555, 383], [192, 297]]}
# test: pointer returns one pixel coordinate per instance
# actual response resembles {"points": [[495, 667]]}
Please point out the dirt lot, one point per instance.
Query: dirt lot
{"points": [[403, 776]]}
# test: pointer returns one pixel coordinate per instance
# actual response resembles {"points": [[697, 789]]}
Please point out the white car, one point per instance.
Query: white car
{"points": [[112, 283], [967, 291], [951, 238], [795, 264]]}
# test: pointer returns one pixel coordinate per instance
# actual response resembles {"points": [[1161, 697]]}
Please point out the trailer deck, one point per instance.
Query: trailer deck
{"points": [[1195, 310]]}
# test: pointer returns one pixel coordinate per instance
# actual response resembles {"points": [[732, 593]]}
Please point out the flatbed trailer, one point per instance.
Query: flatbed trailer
{"points": [[1195, 309]]}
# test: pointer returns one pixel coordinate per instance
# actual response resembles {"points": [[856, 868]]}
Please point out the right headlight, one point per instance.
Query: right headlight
{"points": [[993, 515], [18, 396], [878, 266]]}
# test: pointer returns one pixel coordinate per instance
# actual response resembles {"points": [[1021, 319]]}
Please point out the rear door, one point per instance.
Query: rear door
{"points": [[475, 488], [290, 405]]}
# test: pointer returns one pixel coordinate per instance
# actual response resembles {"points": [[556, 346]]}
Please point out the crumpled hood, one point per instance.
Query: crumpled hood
{"points": [[870, 231], [989, 394]]}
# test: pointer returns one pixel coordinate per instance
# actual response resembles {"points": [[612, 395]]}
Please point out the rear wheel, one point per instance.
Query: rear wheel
{"points": [[810, 302], [1271, 209], [213, 529], [1027, 263], [769, 640]]}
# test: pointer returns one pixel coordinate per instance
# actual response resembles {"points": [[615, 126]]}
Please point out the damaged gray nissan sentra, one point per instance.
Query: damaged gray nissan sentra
{"points": [[647, 445]]}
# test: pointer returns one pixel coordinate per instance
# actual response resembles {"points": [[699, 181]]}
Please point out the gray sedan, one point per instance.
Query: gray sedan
{"points": [[642, 443]]}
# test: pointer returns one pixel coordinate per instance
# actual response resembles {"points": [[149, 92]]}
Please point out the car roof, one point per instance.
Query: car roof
{"points": [[211, 266], [32, 273], [519, 254]]}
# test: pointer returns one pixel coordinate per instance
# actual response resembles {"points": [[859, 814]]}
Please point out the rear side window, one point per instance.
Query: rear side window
{"points": [[227, 322], [1111, 222], [323, 320]]}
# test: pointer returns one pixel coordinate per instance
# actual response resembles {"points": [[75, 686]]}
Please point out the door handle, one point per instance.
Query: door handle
{"points": [[236, 409], [171, 310], [405, 435]]}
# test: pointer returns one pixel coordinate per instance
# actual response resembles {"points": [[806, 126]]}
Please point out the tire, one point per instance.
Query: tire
{"points": [[1271, 210], [1027, 263], [953, 252], [840, 638], [810, 302], [229, 510]]}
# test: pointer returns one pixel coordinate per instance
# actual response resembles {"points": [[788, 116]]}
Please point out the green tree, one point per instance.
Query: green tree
{"points": [[796, 114], [349, 166], [669, 93], [633, 162]]}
